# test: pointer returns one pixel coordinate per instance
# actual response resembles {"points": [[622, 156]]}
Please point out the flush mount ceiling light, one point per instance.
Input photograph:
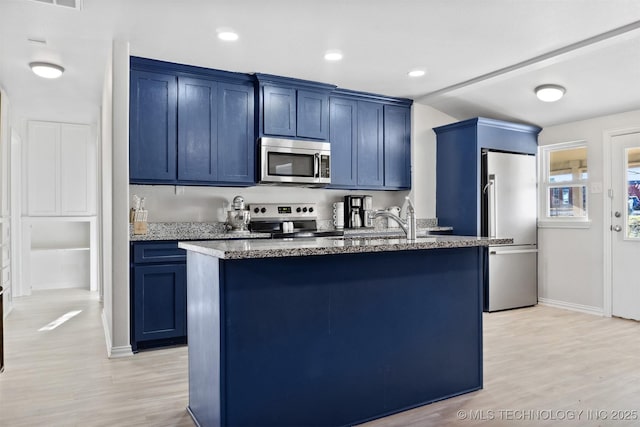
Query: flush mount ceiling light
{"points": [[333, 55], [46, 70], [227, 35], [416, 73], [550, 93]]}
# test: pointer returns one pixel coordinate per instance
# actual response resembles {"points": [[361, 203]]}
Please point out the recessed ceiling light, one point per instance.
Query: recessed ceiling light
{"points": [[333, 55], [227, 35], [550, 93], [416, 73], [46, 70]]}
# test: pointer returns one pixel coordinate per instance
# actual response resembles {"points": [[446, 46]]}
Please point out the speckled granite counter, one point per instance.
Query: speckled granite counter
{"points": [[244, 249], [190, 231]]}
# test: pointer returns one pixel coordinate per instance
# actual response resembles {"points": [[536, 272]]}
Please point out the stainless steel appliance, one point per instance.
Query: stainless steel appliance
{"points": [[353, 211], [238, 217], [509, 209], [287, 220], [294, 162], [367, 209]]}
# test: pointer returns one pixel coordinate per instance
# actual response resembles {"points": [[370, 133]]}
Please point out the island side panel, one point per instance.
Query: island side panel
{"points": [[203, 329], [340, 339]]}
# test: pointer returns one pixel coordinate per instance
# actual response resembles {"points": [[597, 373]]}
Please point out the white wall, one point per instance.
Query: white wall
{"points": [[571, 260]]}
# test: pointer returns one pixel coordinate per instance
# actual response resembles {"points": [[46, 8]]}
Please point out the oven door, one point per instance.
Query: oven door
{"points": [[290, 165]]}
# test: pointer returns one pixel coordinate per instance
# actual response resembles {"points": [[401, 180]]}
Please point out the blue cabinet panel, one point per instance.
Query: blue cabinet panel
{"points": [[397, 147], [279, 110], [152, 127], [370, 145], [236, 151], [158, 294], [197, 129], [312, 115], [343, 138]]}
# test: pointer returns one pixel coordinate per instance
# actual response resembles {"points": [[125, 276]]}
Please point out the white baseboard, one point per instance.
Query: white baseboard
{"points": [[596, 311], [114, 352]]}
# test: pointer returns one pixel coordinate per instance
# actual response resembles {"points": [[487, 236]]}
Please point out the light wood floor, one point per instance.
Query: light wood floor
{"points": [[541, 365]]}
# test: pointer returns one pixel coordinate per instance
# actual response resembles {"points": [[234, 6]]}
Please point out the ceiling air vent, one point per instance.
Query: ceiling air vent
{"points": [[72, 4]]}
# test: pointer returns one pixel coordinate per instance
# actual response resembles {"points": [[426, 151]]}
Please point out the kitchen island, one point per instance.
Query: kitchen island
{"points": [[331, 331]]}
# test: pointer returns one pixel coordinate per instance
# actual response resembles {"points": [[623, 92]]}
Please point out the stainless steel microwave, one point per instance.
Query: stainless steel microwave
{"points": [[290, 161]]}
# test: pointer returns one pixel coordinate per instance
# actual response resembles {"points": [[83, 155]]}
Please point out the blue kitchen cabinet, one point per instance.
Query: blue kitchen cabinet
{"points": [[312, 115], [458, 165], [370, 139], [397, 146], [370, 144], [153, 127], [343, 136], [158, 294], [197, 129], [279, 110], [236, 143], [293, 108], [210, 139]]}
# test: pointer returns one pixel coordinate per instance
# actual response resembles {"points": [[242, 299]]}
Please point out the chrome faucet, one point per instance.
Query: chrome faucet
{"points": [[408, 225]]}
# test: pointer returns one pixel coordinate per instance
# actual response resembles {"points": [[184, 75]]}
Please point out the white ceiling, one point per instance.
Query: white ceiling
{"points": [[483, 58]]}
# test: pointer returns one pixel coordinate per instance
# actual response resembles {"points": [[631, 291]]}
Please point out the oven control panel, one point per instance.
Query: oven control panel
{"points": [[283, 211]]}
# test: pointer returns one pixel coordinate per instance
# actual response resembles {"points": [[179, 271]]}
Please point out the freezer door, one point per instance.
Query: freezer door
{"points": [[513, 277], [511, 196]]}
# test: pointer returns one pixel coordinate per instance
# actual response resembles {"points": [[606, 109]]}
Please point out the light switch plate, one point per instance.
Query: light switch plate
{"points": [[596, 187]]}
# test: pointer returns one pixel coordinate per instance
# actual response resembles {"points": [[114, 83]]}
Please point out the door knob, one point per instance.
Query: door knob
{"points": [[616, 228], [617, 214]]}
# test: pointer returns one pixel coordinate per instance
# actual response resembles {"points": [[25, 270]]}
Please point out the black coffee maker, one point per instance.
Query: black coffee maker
{"points": [[353, 211]]}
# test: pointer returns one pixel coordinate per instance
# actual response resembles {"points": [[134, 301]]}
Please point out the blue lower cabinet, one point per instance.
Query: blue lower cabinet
{"points": [[158, 301]]}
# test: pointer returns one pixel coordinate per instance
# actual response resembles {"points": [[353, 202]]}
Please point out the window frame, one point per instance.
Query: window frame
{"points": [[544, 219]]}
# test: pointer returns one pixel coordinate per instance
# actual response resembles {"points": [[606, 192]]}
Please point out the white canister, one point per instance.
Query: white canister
{"points": [[338, 214], [396, 211]]}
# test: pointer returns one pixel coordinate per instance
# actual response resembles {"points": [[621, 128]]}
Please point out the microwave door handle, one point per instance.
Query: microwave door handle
{"points": [[316, 165]]}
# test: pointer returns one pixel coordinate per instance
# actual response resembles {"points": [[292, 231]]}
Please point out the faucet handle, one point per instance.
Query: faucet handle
{"points": [[410, 203]]}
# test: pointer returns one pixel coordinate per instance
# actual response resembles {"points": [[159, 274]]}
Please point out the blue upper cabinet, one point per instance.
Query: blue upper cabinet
{"points": [[313, 115], [279, 110], [370, 141], [197, 129], [190, 125], [370, 144], [153, 127], [292, 108], [343, 137], [397, 146], [236, 153], [458, 165]]}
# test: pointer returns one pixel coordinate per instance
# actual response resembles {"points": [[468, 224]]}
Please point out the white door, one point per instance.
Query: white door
{"points": [[625, 226]]}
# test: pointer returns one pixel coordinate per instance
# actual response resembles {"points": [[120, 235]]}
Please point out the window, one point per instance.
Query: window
{"points": [[565, 181]]}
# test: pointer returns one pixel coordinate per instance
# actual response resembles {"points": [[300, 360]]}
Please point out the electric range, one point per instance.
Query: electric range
{"points": [[287, 220]]}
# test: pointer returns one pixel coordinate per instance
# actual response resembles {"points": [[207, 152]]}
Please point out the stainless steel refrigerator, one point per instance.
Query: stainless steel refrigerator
{"points": [[509, 209]]}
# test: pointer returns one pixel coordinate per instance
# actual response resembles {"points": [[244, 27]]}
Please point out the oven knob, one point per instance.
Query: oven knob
{"points": [[263, 210], [298, 210], [256, 210], [304, 209], [310, 210]]}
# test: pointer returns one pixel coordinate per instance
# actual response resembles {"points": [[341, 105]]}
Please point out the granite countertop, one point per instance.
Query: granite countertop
{"points": [[190, 231], [274, 248]]}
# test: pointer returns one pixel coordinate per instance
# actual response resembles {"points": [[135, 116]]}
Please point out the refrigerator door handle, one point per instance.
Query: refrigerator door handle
{"points": [[490, 188], [517, 251]]}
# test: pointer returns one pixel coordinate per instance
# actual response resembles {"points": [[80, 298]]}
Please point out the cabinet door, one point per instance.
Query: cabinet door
{"points": [[344, 132], [42, 169], [397, 147], [160, 301], [312, 115], [152, 127], [197, 129], [370, 144], [236, 152], [279, 110], [77, 171]]}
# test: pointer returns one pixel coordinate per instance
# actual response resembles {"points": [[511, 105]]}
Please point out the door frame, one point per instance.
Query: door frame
{"points": [[607, 261]]}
